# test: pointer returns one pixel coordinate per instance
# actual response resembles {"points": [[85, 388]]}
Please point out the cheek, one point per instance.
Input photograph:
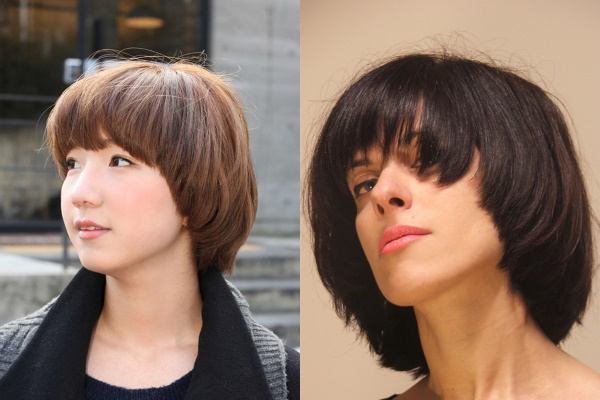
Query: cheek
{"points": [[488, 247], [152, 201], [471, 238], [366, 235]]}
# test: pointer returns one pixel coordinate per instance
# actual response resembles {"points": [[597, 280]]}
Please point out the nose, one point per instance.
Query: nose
{"points": [[392, 191], [83, 189]]}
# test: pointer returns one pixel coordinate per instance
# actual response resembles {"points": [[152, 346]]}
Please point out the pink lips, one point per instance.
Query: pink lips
{"points": [[399, 236], [88, 230]]}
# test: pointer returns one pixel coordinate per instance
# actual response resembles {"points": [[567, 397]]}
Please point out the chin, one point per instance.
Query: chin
{"points": [[407, 290], [403, 299], [94, 268], [92, 264]]}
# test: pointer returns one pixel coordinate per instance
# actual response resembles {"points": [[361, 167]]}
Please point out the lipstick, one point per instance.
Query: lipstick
{"points": [[89, 230], [399, 236]]}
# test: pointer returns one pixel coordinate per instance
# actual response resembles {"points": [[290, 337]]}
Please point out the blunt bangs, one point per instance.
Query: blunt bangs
{"points": [[181, 119], [449, 108], [403, 105], [140, 109]]}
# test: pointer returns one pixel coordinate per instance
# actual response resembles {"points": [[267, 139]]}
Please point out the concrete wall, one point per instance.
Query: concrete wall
{"points": [[28, 179], [258, 43]]}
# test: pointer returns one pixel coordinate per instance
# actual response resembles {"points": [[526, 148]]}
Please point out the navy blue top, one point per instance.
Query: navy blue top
{"points": [[98, 390]]}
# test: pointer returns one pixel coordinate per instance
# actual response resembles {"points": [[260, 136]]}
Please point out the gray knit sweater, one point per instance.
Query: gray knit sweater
{"points": [[15, 336]]}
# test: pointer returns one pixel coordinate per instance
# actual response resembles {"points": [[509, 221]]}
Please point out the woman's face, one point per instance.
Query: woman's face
{"points": [[119, 212], [421, 240]]}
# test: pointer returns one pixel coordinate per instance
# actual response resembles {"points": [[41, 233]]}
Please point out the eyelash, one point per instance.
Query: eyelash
{"points": [[69, 164], [120, 158], [364, 185]]}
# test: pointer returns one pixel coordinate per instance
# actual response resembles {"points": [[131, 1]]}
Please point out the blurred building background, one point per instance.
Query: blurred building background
{"points": [[43, 47]]}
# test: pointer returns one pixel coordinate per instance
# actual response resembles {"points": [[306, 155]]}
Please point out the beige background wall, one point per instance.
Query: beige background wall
{"points": [[560, 39]]}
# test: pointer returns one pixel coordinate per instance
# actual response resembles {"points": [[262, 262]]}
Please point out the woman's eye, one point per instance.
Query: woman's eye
{"points": [[70, 164], [364, 187], [117, 161]]}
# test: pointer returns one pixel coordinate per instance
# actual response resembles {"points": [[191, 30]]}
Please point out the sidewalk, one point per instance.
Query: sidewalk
{"points": [[16, 265]]}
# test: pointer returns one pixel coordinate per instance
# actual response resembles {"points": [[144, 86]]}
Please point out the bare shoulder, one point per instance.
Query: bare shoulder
{"points": [[579, 381], [588, 384]]}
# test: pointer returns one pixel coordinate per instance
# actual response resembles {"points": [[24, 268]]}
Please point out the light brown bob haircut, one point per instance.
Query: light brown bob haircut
{"points": [[184, 121]]}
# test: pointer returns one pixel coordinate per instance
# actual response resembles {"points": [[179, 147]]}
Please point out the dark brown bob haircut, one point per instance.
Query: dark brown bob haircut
{"points": [[531, 184], [181, 119]]}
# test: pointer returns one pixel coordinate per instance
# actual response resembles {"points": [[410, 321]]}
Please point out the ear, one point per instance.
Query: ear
{"points": [[185, 222]]}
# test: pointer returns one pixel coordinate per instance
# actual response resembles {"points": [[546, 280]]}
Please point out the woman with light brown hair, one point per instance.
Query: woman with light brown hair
{"points": [[158, 196], [452, 228]]}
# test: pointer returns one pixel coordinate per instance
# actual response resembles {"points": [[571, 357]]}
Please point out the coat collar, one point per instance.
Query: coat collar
{"points": [[53, 364]]}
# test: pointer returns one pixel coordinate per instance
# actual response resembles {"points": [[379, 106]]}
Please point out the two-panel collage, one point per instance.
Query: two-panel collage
{"points": [[299, 199]]}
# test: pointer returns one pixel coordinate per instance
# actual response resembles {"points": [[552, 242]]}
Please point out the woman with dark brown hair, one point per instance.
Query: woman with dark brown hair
{"points": [[158, 196], [452, 227]]}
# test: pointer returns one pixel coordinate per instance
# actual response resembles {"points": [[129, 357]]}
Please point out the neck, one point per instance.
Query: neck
{"points": [[153, 307], [482, 343]]}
